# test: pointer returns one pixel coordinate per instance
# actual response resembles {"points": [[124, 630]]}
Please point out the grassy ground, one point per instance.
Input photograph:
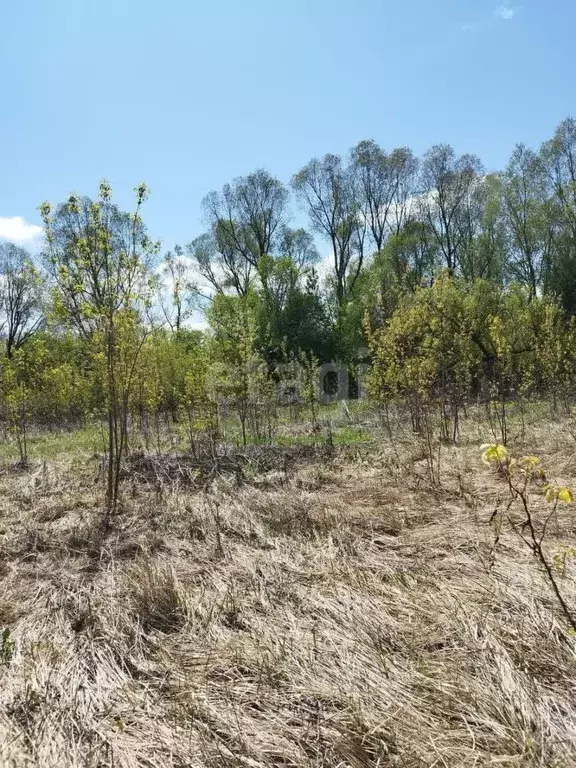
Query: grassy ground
{"points": [[291, 428], [344, 615]]}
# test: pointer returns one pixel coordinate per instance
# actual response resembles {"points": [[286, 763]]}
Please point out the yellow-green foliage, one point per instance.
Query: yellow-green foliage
{"points": [[525, 475], [425, 349], [47, 377], [237, 373], [444, 341]]}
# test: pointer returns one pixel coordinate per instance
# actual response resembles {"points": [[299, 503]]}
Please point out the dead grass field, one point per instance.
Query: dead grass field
{"points": [[342, 615]]}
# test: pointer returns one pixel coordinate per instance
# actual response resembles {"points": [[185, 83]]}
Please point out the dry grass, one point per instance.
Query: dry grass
{"points": [[346, 616]]}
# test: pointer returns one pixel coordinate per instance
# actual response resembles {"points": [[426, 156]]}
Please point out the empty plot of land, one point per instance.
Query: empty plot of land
{"points": [[341, 613]]}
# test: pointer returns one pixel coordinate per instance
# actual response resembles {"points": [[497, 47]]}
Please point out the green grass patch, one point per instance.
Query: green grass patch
{"points": [[54, 445], [351, 436]]}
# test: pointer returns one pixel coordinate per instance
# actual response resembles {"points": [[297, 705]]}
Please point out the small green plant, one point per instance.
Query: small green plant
{"points": [[522, 474], [7, 646]]}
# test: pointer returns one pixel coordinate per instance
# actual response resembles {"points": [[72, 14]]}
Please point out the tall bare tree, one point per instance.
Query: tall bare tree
{"points": [[405, 168], [486, 243], [178, 293], [299, 246], [219, 262], [447, 185], [559, 158], [250, 211], [21, 296], [526, 200], [385, 186], [326, 189]]}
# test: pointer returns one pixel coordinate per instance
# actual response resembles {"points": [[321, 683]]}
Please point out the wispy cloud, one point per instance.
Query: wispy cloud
{"points": [[16, 229], [468, 27], [505, 12]]}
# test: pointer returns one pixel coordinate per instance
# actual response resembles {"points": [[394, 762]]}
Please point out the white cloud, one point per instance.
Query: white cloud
{"points": [[468, 27], [17, 230], [505, 12]]}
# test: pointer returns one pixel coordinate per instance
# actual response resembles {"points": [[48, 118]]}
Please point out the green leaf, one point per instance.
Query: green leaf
{"points": [[559, 493], [494, 452]]}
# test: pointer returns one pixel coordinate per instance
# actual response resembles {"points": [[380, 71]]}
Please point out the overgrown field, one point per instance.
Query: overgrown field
{"points": [[333, 609]]}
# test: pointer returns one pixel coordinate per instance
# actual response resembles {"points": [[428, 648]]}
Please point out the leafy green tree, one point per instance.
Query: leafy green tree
{"points": [[558, 159], [15, 396], [424, 355], [408, 260], [291, 313], [99, 258], [238, 374], [198, 405]]}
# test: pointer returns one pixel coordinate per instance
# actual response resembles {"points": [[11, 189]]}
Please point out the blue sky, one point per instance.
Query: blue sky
{"points": [[186, 95]]}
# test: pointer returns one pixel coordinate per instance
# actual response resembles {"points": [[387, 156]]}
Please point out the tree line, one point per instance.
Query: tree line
{"points": [[390, 220], [448, 275]]}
